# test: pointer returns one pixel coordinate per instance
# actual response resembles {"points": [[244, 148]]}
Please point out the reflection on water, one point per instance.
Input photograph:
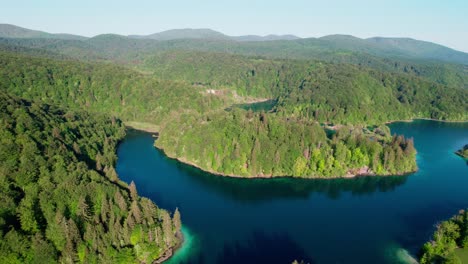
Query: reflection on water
{"points": [[252, 190]]}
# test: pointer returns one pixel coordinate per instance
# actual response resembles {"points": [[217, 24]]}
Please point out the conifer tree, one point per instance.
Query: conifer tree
{"points": [[133, 191], [176, 220]]}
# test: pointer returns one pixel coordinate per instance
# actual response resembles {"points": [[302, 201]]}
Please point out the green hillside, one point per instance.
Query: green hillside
{"points": [[61, 198], [12, 31], [337, 93], [279, 46], [186, 33], [189, 106], [404, 56], [102, 88], [334, 48]]}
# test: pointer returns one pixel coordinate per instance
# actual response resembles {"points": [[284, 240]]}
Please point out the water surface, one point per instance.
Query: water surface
{"points": [[362, 220], [265, 106]]}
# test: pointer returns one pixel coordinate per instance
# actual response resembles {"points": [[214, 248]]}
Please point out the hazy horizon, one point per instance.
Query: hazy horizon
{"points": [[442, 23]]}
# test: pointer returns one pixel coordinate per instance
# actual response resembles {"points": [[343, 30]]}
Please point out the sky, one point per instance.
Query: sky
{"points": [[443, 22]]}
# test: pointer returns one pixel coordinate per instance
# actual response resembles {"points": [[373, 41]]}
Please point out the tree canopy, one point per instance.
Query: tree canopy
{"points": [[61, 198]]}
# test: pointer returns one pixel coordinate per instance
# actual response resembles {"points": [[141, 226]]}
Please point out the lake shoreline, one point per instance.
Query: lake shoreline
{"points": [[154, 129], [427, 119], [150, 128], [170, 252]]}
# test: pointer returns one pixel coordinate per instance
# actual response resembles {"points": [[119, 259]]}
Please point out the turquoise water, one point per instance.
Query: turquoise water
{"points": [[362, 220]]}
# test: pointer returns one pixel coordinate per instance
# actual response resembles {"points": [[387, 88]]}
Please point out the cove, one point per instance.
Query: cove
{"points": [[360, 220]]}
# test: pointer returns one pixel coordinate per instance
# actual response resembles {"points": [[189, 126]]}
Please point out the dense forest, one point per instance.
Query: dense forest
{"points": [[62, 200], [102, 88], [245, 143], [451, 236], [337, 93], [405, 56], [191, 109], [213, 66]]}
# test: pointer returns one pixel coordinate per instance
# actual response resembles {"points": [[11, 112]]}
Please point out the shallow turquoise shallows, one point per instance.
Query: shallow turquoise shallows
{"points": [[361, 220]]}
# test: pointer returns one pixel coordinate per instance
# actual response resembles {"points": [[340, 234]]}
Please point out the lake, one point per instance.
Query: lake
{"points": [[361, 220], [265, 106]]}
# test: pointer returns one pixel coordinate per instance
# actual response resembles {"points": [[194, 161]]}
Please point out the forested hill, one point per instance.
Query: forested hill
{"points": [[286, 46], [142, 53], [341, 93], [187, 94], [130, 51], [217, 67], [416, 58], [103, 88], [61, 198], [12, 31], [186, 33]]}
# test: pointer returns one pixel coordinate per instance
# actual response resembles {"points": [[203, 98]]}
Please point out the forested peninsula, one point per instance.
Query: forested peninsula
{"points": [[248, 144], [62, 200]]}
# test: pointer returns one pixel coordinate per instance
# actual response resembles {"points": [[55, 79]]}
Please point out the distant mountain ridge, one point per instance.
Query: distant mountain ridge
{"points": [[341, 47], [397, 47], [205, 33], [265, 38], [186, 33], [12, 31]]}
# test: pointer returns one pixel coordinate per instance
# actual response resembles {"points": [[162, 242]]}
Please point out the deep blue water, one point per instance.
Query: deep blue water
{"points": [[362, 220]]}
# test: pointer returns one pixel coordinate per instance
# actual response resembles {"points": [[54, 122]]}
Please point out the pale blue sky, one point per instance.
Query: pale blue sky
{"points": [[444, 22]]}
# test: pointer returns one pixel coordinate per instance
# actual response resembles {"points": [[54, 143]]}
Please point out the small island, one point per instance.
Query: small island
{"points": [[463, 152]]}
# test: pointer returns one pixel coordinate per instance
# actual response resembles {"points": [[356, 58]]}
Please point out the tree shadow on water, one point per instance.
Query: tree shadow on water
{"points": [[258, 190]]}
